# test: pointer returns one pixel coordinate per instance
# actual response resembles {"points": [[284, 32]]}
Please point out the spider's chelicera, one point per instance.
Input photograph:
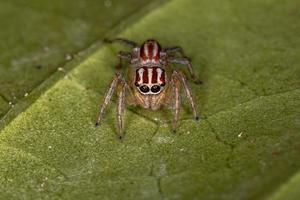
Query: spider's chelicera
{"points": [[151, 81]]}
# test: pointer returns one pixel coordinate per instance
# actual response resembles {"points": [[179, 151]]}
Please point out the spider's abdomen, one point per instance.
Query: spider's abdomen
{"points": [[150, 51]]}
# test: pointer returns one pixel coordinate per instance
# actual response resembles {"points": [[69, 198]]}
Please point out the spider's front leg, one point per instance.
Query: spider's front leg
{"points": [[176, 100], [116, 80], [120, 110], [188, 93], [107, 97], [178, 79]]}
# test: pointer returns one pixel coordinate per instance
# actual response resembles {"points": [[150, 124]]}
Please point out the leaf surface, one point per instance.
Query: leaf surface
{"points": [[246, 146]]}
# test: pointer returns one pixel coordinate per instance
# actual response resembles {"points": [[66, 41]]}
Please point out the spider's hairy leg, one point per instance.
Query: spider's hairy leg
{"points": [[176, 100], [122, 55], [120, 110], [170, 50], [185, 61], [188, 93], [107, 97], [124, 41]]}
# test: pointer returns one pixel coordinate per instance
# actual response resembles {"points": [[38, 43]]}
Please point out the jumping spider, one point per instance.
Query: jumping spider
{"points": [[151, 82]]}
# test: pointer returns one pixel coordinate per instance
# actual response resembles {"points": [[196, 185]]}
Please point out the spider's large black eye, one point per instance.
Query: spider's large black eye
{"points": [[155, 88], [144, 88]]}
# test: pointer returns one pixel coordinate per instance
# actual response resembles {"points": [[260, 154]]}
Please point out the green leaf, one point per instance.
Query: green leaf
{"points": [[246, 146]]}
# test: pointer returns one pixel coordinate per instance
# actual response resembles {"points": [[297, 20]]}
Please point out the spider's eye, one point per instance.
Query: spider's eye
{"points": [[144, 89], [155, 88]]}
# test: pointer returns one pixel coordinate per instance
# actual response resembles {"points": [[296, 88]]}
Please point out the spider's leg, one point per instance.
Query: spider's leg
{"points": [[188, 93], [122, 55], [169, 50], [120, 110], [124, 41], [176, 100], [185, 61], [107, 97]]}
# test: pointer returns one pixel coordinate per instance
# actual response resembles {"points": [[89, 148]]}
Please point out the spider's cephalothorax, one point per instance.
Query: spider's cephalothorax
{"points": [[151, 82]]}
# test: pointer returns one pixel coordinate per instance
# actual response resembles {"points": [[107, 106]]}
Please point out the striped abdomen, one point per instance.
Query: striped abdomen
{"points": [[150, 79], [150, 52]]}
